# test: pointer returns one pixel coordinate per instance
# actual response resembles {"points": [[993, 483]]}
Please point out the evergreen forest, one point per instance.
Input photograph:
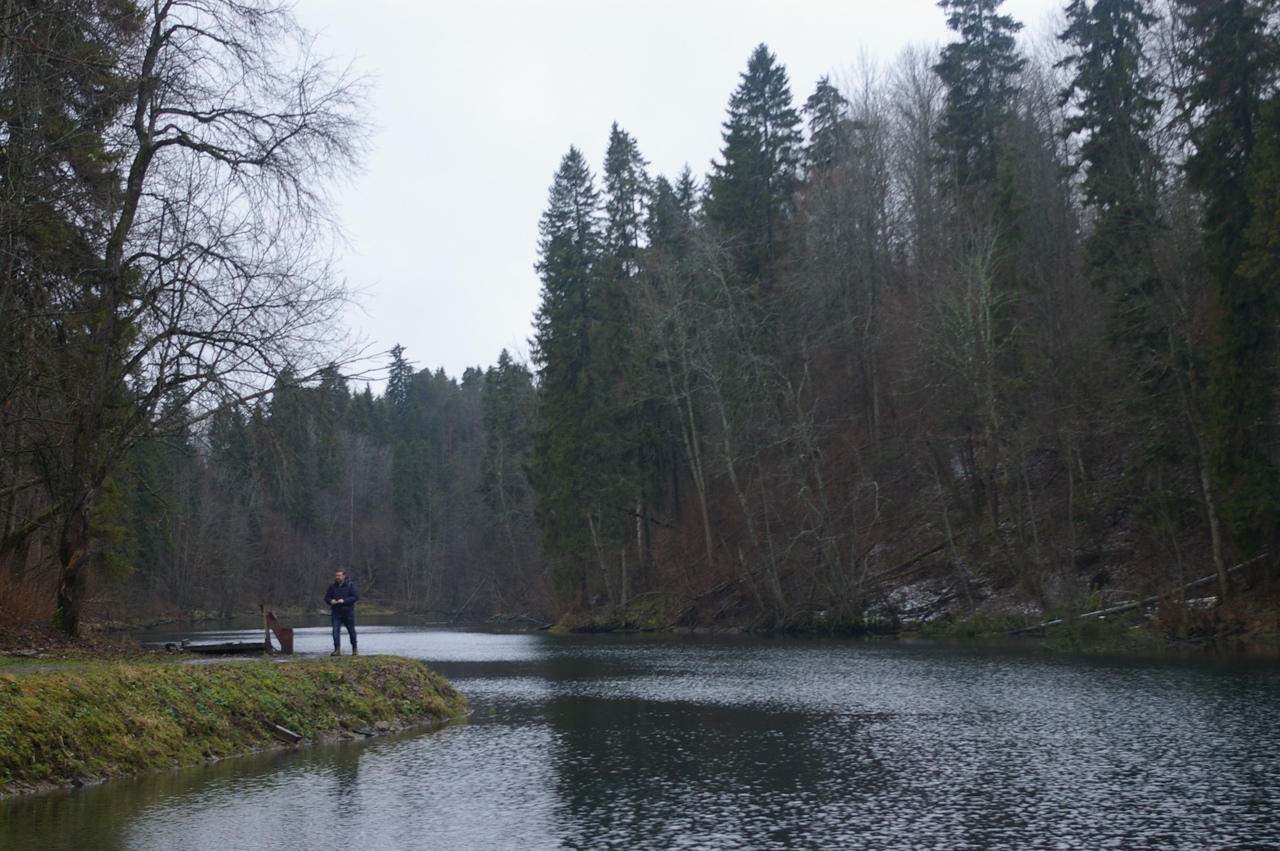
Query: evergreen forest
{"points": [[989, 330]]}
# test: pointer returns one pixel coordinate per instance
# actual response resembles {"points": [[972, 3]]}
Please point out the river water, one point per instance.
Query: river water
{"points": [[682, 743]]}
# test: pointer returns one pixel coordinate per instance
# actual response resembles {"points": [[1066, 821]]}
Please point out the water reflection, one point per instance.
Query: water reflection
{"points": [[649, 744]]}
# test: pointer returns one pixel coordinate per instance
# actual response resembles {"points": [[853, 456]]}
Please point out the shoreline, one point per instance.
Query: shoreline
{"points": [[89, 723]]}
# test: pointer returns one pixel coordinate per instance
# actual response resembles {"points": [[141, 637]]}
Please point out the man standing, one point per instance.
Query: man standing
{"points": [[341, 597]]}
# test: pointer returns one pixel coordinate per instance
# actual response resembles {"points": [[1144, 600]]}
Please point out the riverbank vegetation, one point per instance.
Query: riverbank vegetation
{"points": [[988, 333], [90, 722]]}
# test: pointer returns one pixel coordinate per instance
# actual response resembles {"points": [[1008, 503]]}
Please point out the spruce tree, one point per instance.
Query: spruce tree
{"points": [[508, 408], [664, 216], [399, 373], [62, 91], [626, 204], [980, 72], [61, 88], [828, 112], [749, 193], [1115, 109], [161, 495], [508, 405], [673, 212], [627, 190], [293, 458], [568, 465], [1231, 100]]}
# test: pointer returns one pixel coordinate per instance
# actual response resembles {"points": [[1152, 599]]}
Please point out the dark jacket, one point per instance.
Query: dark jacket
{"points": [[346, 592]]}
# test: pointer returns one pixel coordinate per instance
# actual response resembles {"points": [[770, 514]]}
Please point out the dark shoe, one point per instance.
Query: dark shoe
{"points": [[354, 651], [336, 652]]}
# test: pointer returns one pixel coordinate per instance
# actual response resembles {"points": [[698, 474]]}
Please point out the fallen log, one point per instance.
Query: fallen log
{"points": [[1137, 603]]}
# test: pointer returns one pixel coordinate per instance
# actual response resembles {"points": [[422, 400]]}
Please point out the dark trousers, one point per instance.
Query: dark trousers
{"points": [[343, 618]]}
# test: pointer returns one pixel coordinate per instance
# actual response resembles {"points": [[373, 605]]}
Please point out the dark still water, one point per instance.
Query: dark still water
{"points": [[631, 743]]}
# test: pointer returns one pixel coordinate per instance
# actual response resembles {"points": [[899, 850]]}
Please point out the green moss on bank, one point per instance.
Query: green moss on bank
{"points": [[100, 721]]}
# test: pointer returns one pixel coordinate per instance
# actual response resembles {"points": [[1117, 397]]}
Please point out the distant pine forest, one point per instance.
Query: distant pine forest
{"points": [[989, 330]]}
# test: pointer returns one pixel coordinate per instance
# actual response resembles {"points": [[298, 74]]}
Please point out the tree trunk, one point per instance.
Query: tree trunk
{"points": [[1215, 530], [73, 550]]}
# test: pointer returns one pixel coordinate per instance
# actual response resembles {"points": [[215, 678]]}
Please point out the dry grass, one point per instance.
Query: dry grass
{"points": [[26, 600]]}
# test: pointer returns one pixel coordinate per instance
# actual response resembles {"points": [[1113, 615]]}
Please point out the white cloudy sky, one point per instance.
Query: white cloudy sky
{"points": [[475, 102]]}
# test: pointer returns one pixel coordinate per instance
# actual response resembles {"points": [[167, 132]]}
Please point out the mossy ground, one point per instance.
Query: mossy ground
{"points": [[92, 721]]}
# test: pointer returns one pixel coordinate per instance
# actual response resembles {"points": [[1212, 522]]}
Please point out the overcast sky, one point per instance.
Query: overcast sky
{"points": [[474, 103]]}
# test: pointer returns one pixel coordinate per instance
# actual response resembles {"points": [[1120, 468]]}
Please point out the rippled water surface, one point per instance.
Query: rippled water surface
{"points": [[644, 743]]}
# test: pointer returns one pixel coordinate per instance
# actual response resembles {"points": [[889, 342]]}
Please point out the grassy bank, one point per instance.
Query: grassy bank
{"points": [[101, 720]]}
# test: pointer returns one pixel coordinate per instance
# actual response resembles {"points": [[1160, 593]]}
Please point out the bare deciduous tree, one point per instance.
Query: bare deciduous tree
{"points": [[213, 270]]}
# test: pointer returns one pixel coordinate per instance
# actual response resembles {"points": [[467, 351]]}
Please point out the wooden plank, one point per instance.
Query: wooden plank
{"points": [[284, 734], [227, 647]]}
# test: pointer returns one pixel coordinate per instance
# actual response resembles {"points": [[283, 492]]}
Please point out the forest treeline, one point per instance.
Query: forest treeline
{"points": [[991, 327]]}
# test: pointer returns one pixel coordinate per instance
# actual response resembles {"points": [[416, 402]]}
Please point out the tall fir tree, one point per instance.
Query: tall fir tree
{"points": [[61, 88], [628, 199], [828, 112], [1112, 90], [673, 212], [980, 71], [1234, 58], [570, 468], [980, 74], [399, 374], [62, 92], [749, 193], [627, 191]]}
